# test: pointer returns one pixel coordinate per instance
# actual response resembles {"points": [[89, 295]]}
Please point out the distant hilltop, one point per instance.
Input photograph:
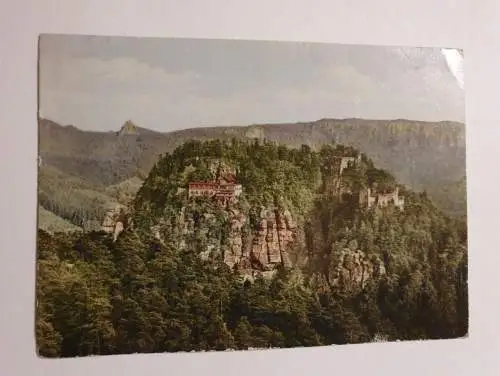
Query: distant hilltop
{"points": [[128, 128]]}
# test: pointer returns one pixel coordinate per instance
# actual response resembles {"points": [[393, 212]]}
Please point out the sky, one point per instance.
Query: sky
{"points": [[98, 83]]}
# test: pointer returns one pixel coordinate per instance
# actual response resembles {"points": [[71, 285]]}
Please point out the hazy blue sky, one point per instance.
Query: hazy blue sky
{"points": [[100, 82]]}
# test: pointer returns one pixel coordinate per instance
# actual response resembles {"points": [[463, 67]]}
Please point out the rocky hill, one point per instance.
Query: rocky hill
{"points": [[244, 244], [293, 209]]}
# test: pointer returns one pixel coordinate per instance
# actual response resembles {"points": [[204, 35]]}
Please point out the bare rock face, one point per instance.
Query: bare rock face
{"points": [[262, 249], [115, 221], [272, 239], [128, 128], [354, 270], [118, 230], [157, 231], [234, 252], [287, 234], [259, 246]]}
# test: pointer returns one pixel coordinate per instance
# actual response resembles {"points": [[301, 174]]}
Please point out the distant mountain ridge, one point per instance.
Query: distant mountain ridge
{"points": [[426, 156]]}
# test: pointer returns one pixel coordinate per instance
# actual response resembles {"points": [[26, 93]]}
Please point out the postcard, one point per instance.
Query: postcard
{"points": [[214, 195]]}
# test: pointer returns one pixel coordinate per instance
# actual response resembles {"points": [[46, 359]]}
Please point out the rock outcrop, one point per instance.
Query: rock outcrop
{"points": [[115, 221], [129, 128], [157, 231], [287, 231], [354, 270], [234, 253], [273, 236], [260, 249]]}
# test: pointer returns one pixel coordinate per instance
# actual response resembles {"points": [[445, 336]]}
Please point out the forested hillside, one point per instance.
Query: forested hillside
{"points": [[309, 254], [425, 156]]}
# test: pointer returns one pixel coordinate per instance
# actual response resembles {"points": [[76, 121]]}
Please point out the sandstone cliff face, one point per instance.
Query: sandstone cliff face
{"points": [[354, 270], [248, 249], [235, 253], [272, 239]]}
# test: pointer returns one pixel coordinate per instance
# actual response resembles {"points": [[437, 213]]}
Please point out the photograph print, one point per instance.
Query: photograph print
{"points": [[203, 195]]}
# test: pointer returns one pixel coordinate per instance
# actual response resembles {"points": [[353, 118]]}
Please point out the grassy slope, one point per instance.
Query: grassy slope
{"points": [[51, 223], [64, 195]]}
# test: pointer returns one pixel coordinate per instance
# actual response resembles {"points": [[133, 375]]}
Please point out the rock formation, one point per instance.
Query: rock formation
{"points": [[287, 234], [234, 252], [273, 236], [354, 270], [261, 249], [128, 128], [115, 221]]}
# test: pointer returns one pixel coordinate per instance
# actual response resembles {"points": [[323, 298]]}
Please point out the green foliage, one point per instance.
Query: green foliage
{"points": [[384, 181], [270, 174], [67, 202], [138, 294]]}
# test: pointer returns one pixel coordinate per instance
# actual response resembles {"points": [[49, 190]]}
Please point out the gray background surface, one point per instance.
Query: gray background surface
{"points": [[469, 24]]}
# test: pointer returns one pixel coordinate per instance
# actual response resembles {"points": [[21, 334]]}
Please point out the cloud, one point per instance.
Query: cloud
{"points": [[94, 93], [100, 94], [346, 79], [89, 73]]}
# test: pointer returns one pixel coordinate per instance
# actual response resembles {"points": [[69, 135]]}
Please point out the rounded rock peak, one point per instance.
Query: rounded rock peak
{"points": [[128, 128]]}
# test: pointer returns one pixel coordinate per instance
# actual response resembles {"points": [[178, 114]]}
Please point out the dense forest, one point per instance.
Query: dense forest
{"points": [[148, 293]]}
